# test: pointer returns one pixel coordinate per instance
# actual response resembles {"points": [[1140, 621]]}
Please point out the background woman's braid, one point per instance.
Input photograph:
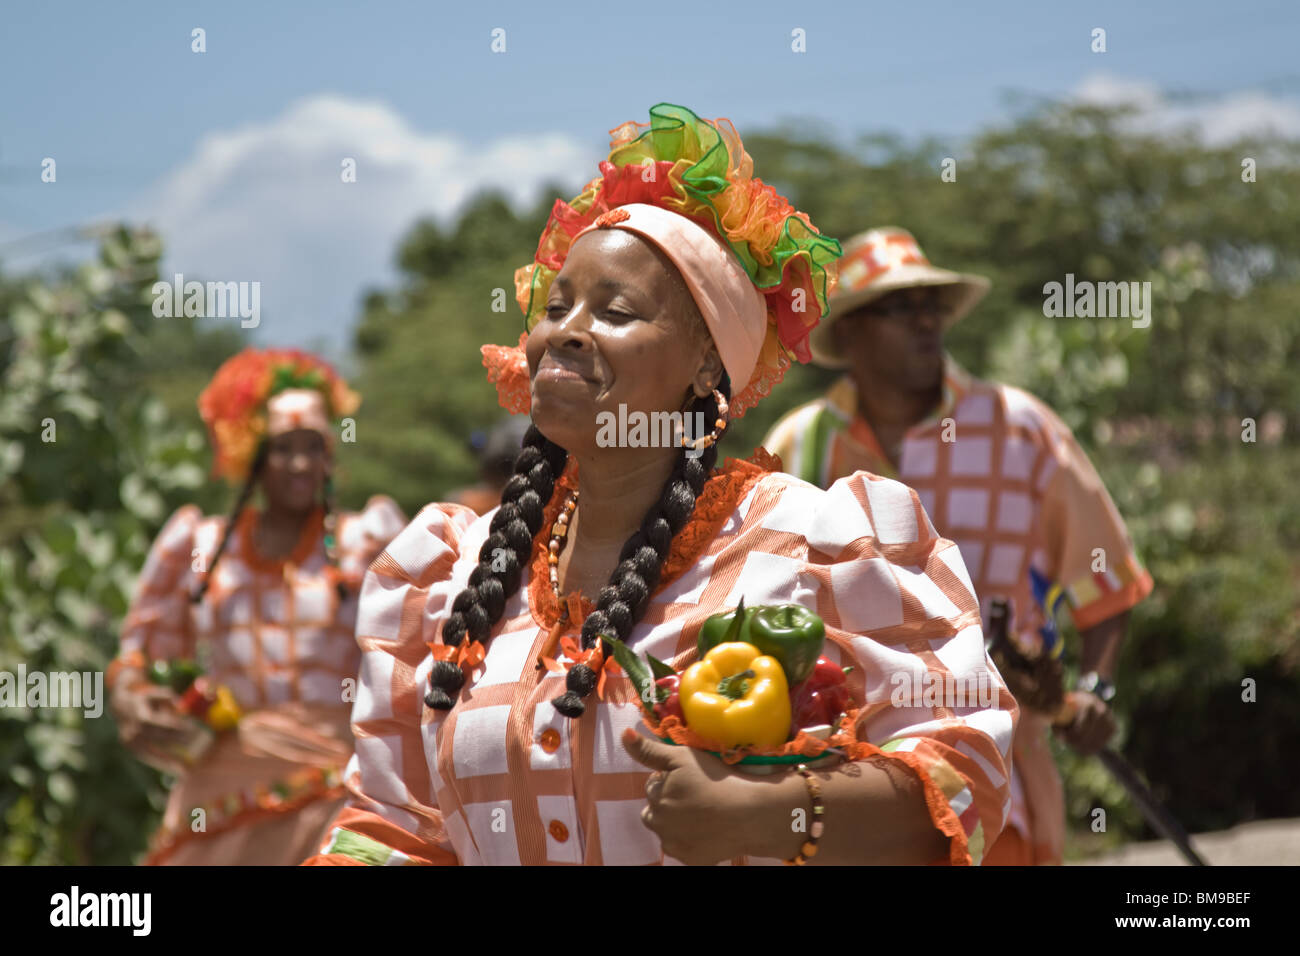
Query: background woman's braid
{"points": [[624, 600], [501, 559], [330, 526], [246, 492]]}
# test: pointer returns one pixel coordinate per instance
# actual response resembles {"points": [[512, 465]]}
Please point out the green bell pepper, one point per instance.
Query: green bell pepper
{"points": [[722, 629], [791, 633]]}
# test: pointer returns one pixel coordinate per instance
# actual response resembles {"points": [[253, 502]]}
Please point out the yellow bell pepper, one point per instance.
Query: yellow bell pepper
{"points": [[224, 712], [738, 697]]}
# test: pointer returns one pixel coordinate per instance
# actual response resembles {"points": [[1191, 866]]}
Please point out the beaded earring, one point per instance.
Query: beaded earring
{"points": [[702, 442]]}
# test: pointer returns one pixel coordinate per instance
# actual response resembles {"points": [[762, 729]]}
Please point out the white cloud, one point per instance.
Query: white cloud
{"points": [[1216, 120], [266, 202]]}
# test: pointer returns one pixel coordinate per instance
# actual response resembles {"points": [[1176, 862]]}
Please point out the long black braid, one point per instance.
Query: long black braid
{"points": [[621, 603], [246, 492]]}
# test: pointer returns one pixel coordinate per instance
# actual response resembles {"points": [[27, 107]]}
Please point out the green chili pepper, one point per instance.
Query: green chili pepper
{"points": [[791, 633]]}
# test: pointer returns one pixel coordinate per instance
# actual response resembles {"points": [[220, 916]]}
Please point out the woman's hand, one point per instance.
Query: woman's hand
{"points": [[150, 722], [704, 812]]}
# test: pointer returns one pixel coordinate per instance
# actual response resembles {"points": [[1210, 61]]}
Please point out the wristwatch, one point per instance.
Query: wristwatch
{"points": [[1093, 683]]}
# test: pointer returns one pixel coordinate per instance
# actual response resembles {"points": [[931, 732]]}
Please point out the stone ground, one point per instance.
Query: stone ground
{"points": [[1263, 843]]}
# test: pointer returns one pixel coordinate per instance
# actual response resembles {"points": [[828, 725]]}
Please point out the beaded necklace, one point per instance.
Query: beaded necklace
{"points": [[559, 534]]}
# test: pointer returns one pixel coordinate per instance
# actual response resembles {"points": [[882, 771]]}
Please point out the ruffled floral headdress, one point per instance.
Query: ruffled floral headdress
{"points": [[698, 169], [234, 405]]}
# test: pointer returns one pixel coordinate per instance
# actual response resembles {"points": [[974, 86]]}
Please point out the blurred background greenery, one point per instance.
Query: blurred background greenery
{"points": [[1059, 190]]}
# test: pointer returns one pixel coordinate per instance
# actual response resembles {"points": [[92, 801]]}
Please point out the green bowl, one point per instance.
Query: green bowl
{"points": [[772, 764]]}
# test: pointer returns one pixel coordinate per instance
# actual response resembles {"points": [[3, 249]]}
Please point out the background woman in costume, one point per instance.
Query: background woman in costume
{"points": [[494, 729], [263, 603]]}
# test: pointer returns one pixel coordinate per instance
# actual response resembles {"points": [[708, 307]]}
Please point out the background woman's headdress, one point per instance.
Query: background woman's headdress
{"points": [[234, 405]]}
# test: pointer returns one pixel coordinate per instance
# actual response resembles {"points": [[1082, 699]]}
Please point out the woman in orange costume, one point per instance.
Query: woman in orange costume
{"points": [[492, 727], [267, 599]]}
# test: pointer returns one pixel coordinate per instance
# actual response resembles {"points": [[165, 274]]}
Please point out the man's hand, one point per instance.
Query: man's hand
{"points": [[1093, 725]]}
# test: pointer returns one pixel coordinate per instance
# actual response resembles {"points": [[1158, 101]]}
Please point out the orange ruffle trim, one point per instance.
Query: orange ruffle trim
{"points": [[321, 785], [803, 745]]}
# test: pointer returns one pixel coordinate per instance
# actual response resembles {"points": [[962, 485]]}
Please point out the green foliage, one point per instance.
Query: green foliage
{"points": [[423, 384], [90, 465]]}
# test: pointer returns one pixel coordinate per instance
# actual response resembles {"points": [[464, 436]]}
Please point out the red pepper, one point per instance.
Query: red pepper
{"points": [[820, 699], [196, 700], [669, 700]]}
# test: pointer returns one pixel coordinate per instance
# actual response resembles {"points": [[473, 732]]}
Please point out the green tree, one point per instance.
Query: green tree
{"points": [[421, 377], [90, 464]]}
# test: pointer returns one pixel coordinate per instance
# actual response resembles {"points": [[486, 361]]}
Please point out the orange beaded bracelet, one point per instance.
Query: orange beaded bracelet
{"points": [[809, 849]]}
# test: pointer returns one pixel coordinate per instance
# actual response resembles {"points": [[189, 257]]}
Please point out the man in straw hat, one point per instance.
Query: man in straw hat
{"points": [[999, 473]]}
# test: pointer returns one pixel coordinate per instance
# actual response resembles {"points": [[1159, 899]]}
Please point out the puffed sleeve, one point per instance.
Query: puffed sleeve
{"points": [[899, 605], [392, 817], [158, 622], [362, 536], [1089, 552]]}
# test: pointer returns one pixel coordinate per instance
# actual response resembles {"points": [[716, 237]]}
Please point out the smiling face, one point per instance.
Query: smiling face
{"points": [[620, 328], [897, 338], [295, 469]]}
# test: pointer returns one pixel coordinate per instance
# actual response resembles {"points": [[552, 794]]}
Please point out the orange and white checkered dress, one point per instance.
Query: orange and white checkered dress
{"points": [[277, 634], [1004, 478], [503, 778]]}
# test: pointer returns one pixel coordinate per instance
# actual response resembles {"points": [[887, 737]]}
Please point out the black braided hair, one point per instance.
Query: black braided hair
{"points": [[622, 601], [330, 526], [508, 547], [246, 492]]}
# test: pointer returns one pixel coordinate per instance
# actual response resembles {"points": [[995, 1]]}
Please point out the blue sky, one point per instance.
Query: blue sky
{"points": [[234, 153]]}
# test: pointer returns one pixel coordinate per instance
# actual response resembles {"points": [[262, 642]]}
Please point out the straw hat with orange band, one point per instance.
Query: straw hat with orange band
{"points": [[884, 260]]}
